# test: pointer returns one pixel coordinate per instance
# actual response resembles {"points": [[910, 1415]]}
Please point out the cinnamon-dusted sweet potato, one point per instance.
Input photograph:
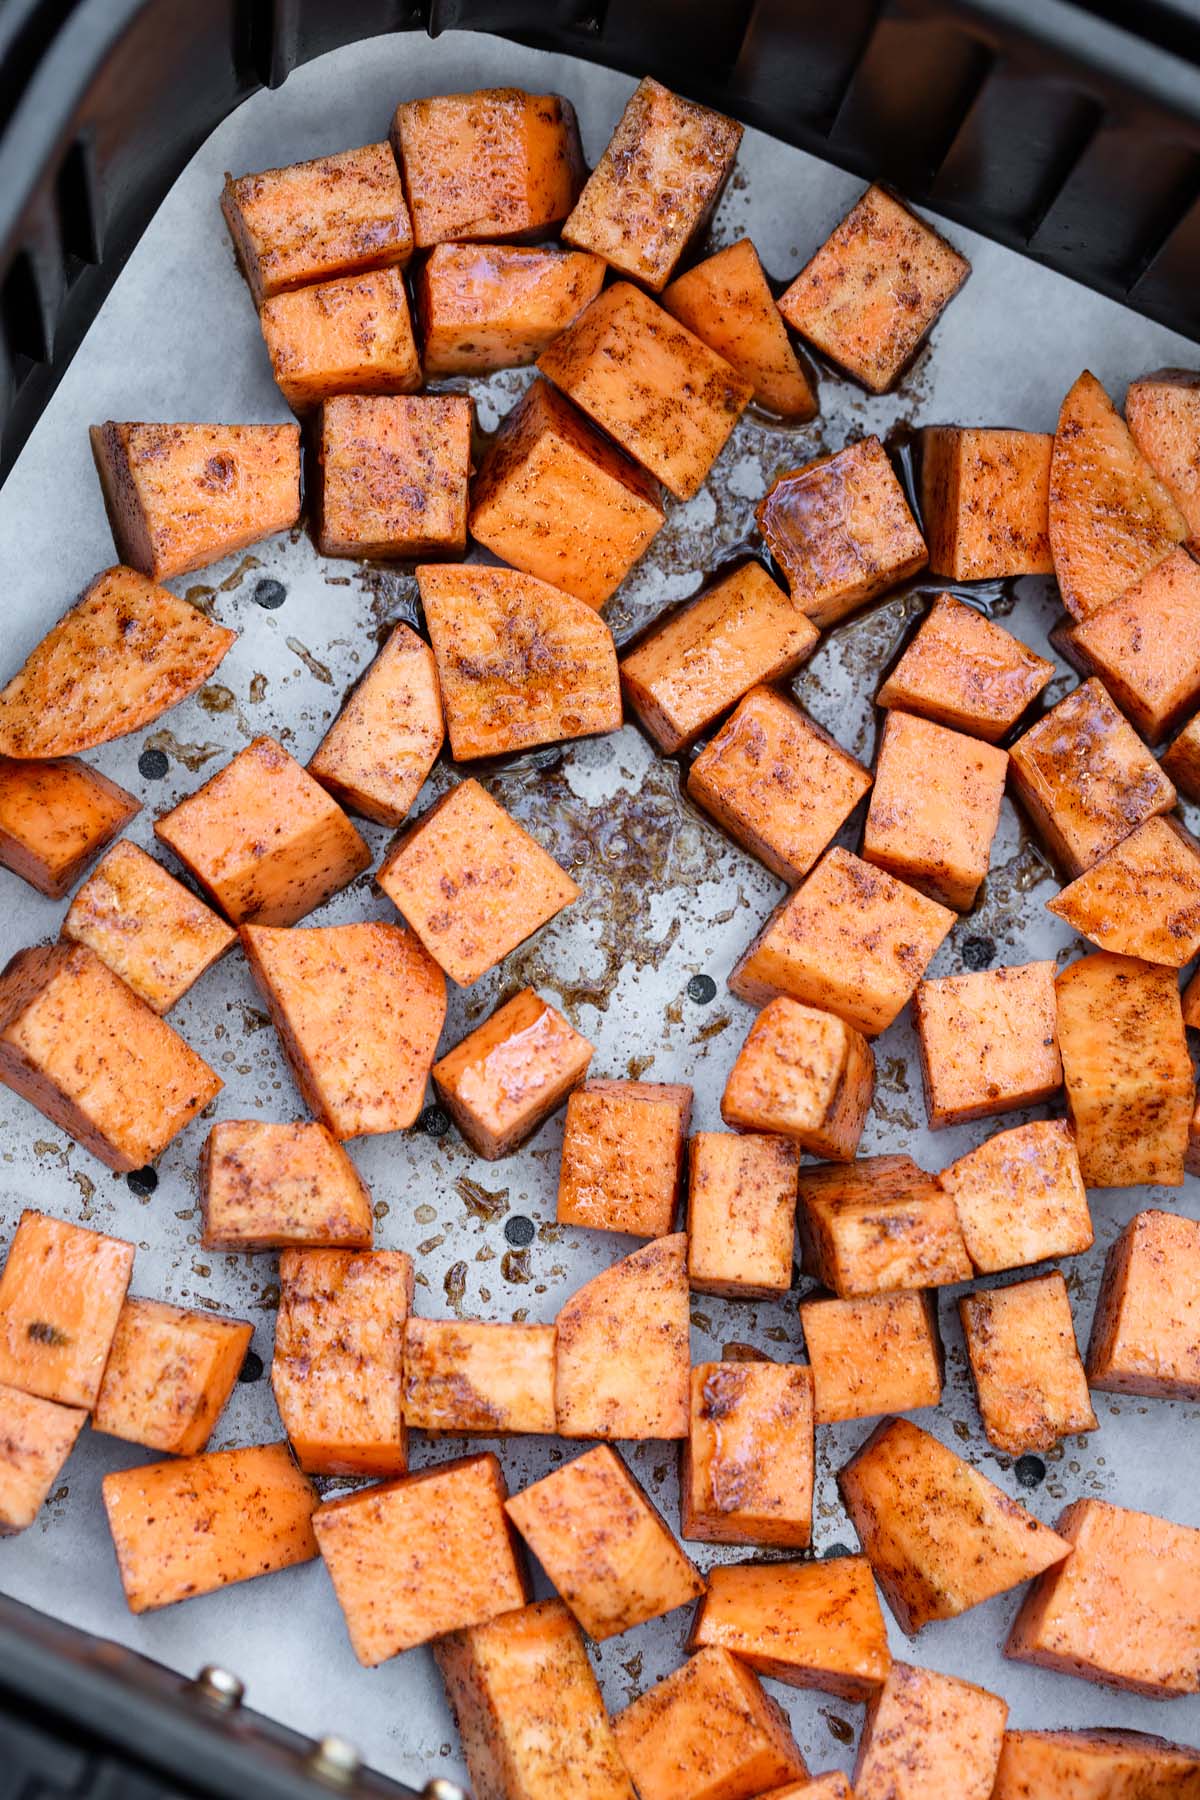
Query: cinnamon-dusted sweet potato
{"points": [[929, 1737], [125, 652], [988, 1042], [1142, 898], [935, 808], [876, 1226], [746, 1471], [1020, 1197], [985, 498], [168, 1375], [265, 1186], [497, 306], [1145, 646], [707, 1732], [727, 301], [55, 818], [965, 671], [1029, 1380], [622, 1354], [148, 928], [1163, 413], [622, 1156], [880, 1353], [509, 1074], [375, 756], [1095, 1765], [36, 1438], [809, 1625], [471, 1376], [1146, 1330], [393, 471], [61, 1294], [1180, 761], [741, 1214], [833, 1786], [350, 336], [803, 1074]]}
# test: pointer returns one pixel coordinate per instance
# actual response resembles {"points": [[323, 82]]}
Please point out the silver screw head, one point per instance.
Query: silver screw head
{"points": [[335, 1760], [220, 1687]]}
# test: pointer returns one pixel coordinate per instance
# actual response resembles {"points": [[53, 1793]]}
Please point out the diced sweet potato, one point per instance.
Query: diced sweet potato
{"points": [[497, 306], [833, 1786], [392, 475], [193, 1525], [55, 818], [312, 221], [1095, 1765], [375, 756], [1142, 898], [351, 336], [935, 808], [556, 498], [938, 1535], [148, 928], [727, 301], [61, 1294], [929, 1737], [881, 1353], [622, 1353], [988, 1042], [965, 671], [529, 1709], [1029, 1380], [622, 1156], [36, 1438], [802, 1074], [809, 1625], [265, 1186], [359, 1010], [1123, 1609], [519, 662], [1020, 1197], [874, 289], [654, 387], [415, 1558], [1111, 518], [777, 782], [746, 1473], [89, 1054], [1145, 646], [656, 185], [1163, 414], [1180, 761], [741, 1214], [471, 882], [708, 1732], [841, 530], [464, 1375], [125, 652], [880, 1225], [985, 499], [168, 1375], [498, 163], [339, 1352], [1127, 1070], [1146, 1331], [508, 1075]]}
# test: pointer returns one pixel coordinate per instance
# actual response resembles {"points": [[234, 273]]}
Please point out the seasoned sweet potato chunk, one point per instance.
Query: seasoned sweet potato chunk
{"points": [[1146, 1331], [879, 1225], [393, 471], [497, 306], [622, 1156], [833, 1786], [929, 1737], [1095, 1765], [1180, 761], [61, 1294], [746, 1474], [741, 1214], [708, 1732], [809, 1625], [55, 818], [727, 301], [802, 1074], [985, 497], [1020, 1197], [622, 1355], [1145, 646], [1141, 898], [508, 1075], [148, 928], [965, 671], [470, 1376], [375, 756], [988, 1042], [1029, 1380], [36, 1438], [1163, 413], [881, 1353], [270, 1187], [351, 336], [935, 808], [169, 1374]]}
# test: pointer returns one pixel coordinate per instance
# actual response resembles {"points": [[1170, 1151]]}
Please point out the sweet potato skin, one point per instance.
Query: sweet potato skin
{"points": [[929, 1737], [462, 1375], [266, 1186], [809, 1625], [622, 1353], [746, 1474], [36, 1438], [55, 818], [342, 337], [168, 1375], [497, 306], [61, 1294], [375, 756], [1029, 1380], [727, 301]]}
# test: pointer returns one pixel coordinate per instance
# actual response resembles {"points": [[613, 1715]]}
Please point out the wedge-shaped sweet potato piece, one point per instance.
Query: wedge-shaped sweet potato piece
{"points": [[809, 1625], [929, 1737], [1020, 1197], [148, 928], [89, 1054], [1029, 1380], [1180, 761], [509, 1074], [1145, 646], [497, 306], [36, 1438], [267, 1186], [1111, 518], [392, 475], [1142, 898], [708, 1732], [61, 1295], [935, 808], [622, 1353], [985, 503], [55, 818], [465, 1375], [352, 336], [339, 1351], [519, 662], [802, 1074], [988, 1042], [125, 652], [192, 1525], [939, 1536], [741, 1214], [375, 756], [1146, 1330], [879, 1225], [622, 1156], [965, 671], [529, 1709], [1095, 1765], [727, 301], [359, 1010], [1163, 414], [881, 1353], [746, 1473], [168, 1375]]}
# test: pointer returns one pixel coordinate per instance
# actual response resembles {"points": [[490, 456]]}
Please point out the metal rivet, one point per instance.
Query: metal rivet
{"points": [[335, 1760], [702, 989], [152, 765], [220, 1687], [441, 1789]]}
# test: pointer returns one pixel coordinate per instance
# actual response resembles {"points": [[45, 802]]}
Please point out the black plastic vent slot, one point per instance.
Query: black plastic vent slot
{"points": [[23, 317], [1121, 201], [882, 123]]}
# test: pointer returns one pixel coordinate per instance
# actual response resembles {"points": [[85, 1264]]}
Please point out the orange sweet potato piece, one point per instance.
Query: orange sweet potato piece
{"points": [[1145, 646], [988, 1042], [809, 1625], [1141, 898], [880, 1353], [1146, 1330], [879, 1225], [622, 1156], [833, 1786], [1095, 1765], [1020, 1197], [727, 301], [497, 306], [350, 336], [1163, 414], [965, 671], [985, 502], [1029, 1380], [708, 1732], [1180, 761], [929, 1737], [265, 1186], [465, 1375], [55, 818], [622, 1354], [375, 756], [508, 1075], [803, 1074], [741, 1214], [746, 1474], [393, 471], [36, 1438], [935, 808], [168, 1375], [61, 1295]]}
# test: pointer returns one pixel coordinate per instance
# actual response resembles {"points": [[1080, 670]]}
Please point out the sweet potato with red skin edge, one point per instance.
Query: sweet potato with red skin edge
{"points": [[392, 475], [468, 1376], [929, 1737], [707, 1732], [641, 376], [841, 530], [1146, 1330], [935, 808], [964, 671], [267, 1186], [124, 653], [988, 1042], [61, 1294], [556, 498], [1029, 1381], [1095, 1765], [807, 1624], [339, 1349], [656, 185], [413, 1559], [985, 500], [623, 1348], [741, 1216], [192, 1525], [877, 1226], [802, 1074], [55, 818], [505, 1078], [529, 1709], [36, 1438], [497, 306], [622, 1156], [169, 1374], [519, 662], [1020, 1197], [359, 1010], [148, 928], [94, 1059], [1145, 646], [1163, 414], [727, 301], [1180, 761], [1123, 1609], [746, 1468], [1142, 898], [342, 337], [879, 1353], [375, 756]]}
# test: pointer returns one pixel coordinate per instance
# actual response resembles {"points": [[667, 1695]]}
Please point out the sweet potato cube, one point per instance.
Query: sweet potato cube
{"points": [[1163, 414], [741, 1214], [1180, 761], [359, 1010], [1020, 1197], [874, 289], [747, 1465], [622, 1156], [168, 1375], [1142, 898], [1124, 1609], [1029, 1380], [880, 1353], [497, 306], [654, 387], [519, 662], [880, 1225], [36, 1438], [198, 1523], [508, 1075], [393, 471], [1146, 1331], [935, 808], [727, 301], [472, 883], [929, 1737], [985, 498], [375, 756], [464, 1375], [809, 1625], [61, 1294], [529, 1709], [833, 1786], [89, 1054], [939, 1536], [965, 671], [415, 1558], [351, 336], [708, 1732], [988, 1042], [802, 1074], [623, 1348], [266, 1186], [1127, 1070], [56, 818], [1095, 1765], [556, 498], [148, 928], [180, 497], [1145, 646], [777, 783]]}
